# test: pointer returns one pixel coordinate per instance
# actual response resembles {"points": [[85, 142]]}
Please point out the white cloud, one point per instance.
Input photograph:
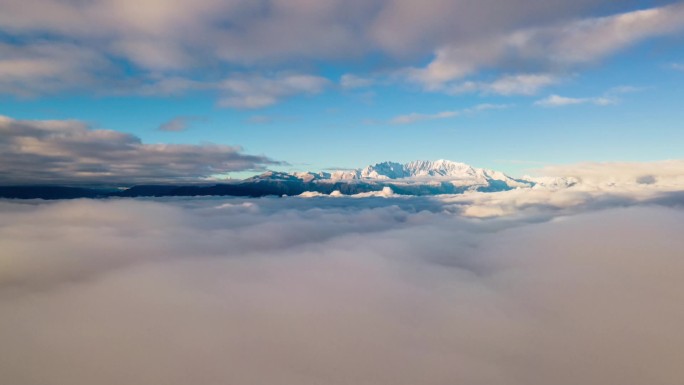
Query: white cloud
{"points": [[560, 101], [610, 97], [417, 117], [69, 152]]}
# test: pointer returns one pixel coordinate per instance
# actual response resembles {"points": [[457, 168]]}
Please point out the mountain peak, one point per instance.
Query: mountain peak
{"points": [[457, 174], [418, 169]]}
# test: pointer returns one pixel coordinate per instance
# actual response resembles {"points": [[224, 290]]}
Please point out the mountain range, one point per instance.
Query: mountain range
{"points": [[413, 178]]}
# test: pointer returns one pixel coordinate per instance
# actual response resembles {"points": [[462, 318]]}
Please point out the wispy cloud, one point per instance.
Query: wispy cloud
{"points": [[180, 123], [44, 67], [351, 81], [417, 117], [610, 97], [557, 48], [560, 101], [260, 119], [523, 84], [249, 92]]}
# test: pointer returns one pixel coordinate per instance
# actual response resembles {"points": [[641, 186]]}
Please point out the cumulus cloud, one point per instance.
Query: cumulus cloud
{"points": [[37, 152], [392, 290]]}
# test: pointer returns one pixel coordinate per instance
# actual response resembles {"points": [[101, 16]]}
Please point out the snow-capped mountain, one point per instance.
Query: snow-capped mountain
{"points": [[379, 180], [423, 177]]}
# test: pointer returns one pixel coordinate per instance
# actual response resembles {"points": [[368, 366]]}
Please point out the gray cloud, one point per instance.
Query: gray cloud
{"points": [[45, 67], [126, 47], [338, 291], [71, 152]]}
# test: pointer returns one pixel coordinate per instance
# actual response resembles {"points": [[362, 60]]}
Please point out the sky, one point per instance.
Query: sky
{"points": [[314, 85]]}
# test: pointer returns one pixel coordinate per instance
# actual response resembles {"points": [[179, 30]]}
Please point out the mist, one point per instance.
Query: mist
{"points": [[403, 290]]}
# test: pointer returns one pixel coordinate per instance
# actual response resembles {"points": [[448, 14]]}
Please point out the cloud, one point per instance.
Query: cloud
{"points": [[677, 66], [667, 173], [155, 36], [107, 46], [417, 117], [337, 291], [523, 84], [35, 152], [194, 42], [180, 123], [560, 101], [46, 67], [557, 48], [350, 81], [610, 97], [258, 91]]}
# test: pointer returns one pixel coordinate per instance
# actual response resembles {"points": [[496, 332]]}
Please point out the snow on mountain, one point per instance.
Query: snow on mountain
{"points": [[385, 170], [418, 172], [456, 173]]}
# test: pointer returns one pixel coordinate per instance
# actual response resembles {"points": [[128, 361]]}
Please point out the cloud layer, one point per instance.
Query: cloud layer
{"points": [[35, 152], [339, 291], [107, 46], [541, 55]]}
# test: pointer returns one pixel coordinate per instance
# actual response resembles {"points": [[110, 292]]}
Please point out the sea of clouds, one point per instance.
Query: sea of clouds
{"points": [[581, 285]]}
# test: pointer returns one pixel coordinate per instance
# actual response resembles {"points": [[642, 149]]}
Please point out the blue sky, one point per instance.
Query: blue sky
{"points": [[594, 81]]}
